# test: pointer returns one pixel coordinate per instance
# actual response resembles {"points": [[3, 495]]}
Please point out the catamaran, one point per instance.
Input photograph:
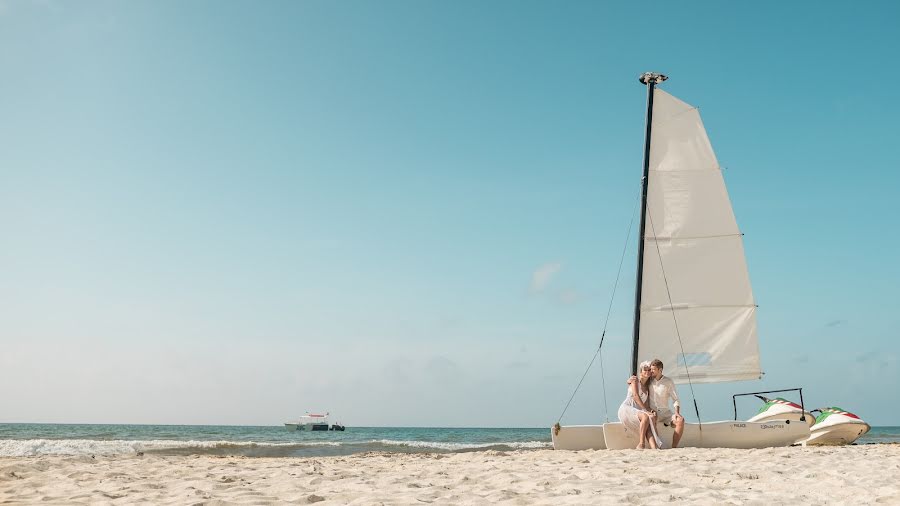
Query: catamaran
{"points": [[694, 306]]}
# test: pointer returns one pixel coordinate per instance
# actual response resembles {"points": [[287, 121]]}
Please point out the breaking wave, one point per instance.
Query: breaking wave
{"points": [[34, 447]]}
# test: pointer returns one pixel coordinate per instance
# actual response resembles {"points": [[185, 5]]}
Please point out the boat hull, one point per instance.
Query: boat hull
{"points": [[578, 437], [728, 434], [312, 427], [306, 426]]}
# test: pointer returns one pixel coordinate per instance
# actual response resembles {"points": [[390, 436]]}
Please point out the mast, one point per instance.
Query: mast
{"points": [[650, 79]]}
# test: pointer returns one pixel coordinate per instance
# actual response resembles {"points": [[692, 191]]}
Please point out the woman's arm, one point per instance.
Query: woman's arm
{"points": [[636, 394]]}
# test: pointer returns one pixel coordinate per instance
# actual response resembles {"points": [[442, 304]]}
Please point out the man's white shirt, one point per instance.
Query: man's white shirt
{"points": [[661, 391]]}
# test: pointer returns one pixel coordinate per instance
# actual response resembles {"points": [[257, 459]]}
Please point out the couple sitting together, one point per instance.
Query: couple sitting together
{"points": [[647, 403]]}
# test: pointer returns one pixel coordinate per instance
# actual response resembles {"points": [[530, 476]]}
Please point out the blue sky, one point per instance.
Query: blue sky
{"points": [[411, 213]]}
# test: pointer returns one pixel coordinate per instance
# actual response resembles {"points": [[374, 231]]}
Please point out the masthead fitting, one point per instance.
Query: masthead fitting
{"points": [[652, 77]]}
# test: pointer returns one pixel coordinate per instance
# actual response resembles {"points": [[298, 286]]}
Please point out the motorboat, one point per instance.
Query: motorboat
{"points": [[782, 409], [835, 426], [309, 422]]}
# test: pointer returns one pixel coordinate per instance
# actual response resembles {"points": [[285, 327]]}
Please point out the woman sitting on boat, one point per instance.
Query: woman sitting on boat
{"points": [[635, 413]]}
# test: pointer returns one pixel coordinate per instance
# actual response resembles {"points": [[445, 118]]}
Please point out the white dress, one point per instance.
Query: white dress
{"points": [[629, 414]]}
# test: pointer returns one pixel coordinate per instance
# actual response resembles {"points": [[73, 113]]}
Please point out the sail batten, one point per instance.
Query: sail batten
{"points": [[659, 238], [689, 170], [670, 307], [697, 312]]}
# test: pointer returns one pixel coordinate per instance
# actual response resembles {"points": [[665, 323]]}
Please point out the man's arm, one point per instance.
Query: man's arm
{"points": [[674, 394]]}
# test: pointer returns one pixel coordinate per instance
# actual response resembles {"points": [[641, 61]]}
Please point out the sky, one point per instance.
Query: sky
{"points": [[411, 213]]}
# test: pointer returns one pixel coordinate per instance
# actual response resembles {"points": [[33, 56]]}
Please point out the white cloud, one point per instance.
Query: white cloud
{"points": [[543, 275], [569, 296]]}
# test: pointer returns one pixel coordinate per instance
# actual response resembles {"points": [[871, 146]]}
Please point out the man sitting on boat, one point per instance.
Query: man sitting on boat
{"points": [[662, 388]]}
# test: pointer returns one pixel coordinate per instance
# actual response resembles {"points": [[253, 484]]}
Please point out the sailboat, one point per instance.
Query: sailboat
{"points": [[694, 306]]}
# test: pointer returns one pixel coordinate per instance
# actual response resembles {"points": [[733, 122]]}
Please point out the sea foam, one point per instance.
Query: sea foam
{"points": [[36, 447]]}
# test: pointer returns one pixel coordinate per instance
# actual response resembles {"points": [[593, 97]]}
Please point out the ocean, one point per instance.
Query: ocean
{"points": [[266, 441], [276, 441]]}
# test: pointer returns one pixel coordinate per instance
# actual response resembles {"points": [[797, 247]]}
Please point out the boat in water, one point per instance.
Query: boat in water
{"points": [[313, 422], [835, 426], [694, 307]]}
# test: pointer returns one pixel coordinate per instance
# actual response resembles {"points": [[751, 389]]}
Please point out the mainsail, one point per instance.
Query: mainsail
{"points": [[697, 312]]}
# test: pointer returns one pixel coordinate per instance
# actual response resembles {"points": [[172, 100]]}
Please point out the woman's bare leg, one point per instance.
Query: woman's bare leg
{"points": [[649, 434], [642, 431]]}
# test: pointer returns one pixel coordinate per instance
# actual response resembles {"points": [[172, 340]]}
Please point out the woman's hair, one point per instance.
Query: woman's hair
{"points": [[643, 365]]}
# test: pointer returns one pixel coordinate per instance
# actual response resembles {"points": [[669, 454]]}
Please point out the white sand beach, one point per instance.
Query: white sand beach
{"points": [[862, 474]]}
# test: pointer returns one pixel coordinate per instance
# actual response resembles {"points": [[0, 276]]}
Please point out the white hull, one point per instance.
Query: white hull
{"points": [[578, 437], [729, 434], [837, 434], [306, 426]]}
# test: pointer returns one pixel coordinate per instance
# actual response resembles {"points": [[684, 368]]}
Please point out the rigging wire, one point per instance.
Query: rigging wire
{"points": [[603, 384], [674, 318], [605, 324]]}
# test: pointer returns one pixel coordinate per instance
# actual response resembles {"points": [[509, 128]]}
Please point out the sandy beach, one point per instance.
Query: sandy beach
{"points": [[841, 475]]}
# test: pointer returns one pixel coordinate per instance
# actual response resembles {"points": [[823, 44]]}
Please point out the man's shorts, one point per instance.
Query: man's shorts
{"points": [[664, 417]]}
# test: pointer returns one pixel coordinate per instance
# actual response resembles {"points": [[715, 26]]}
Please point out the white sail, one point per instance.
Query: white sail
{"points": [[695, 275]]}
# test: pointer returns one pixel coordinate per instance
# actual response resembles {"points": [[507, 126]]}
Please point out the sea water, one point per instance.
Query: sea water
{"points": [[265, 441], [276, 441]]}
